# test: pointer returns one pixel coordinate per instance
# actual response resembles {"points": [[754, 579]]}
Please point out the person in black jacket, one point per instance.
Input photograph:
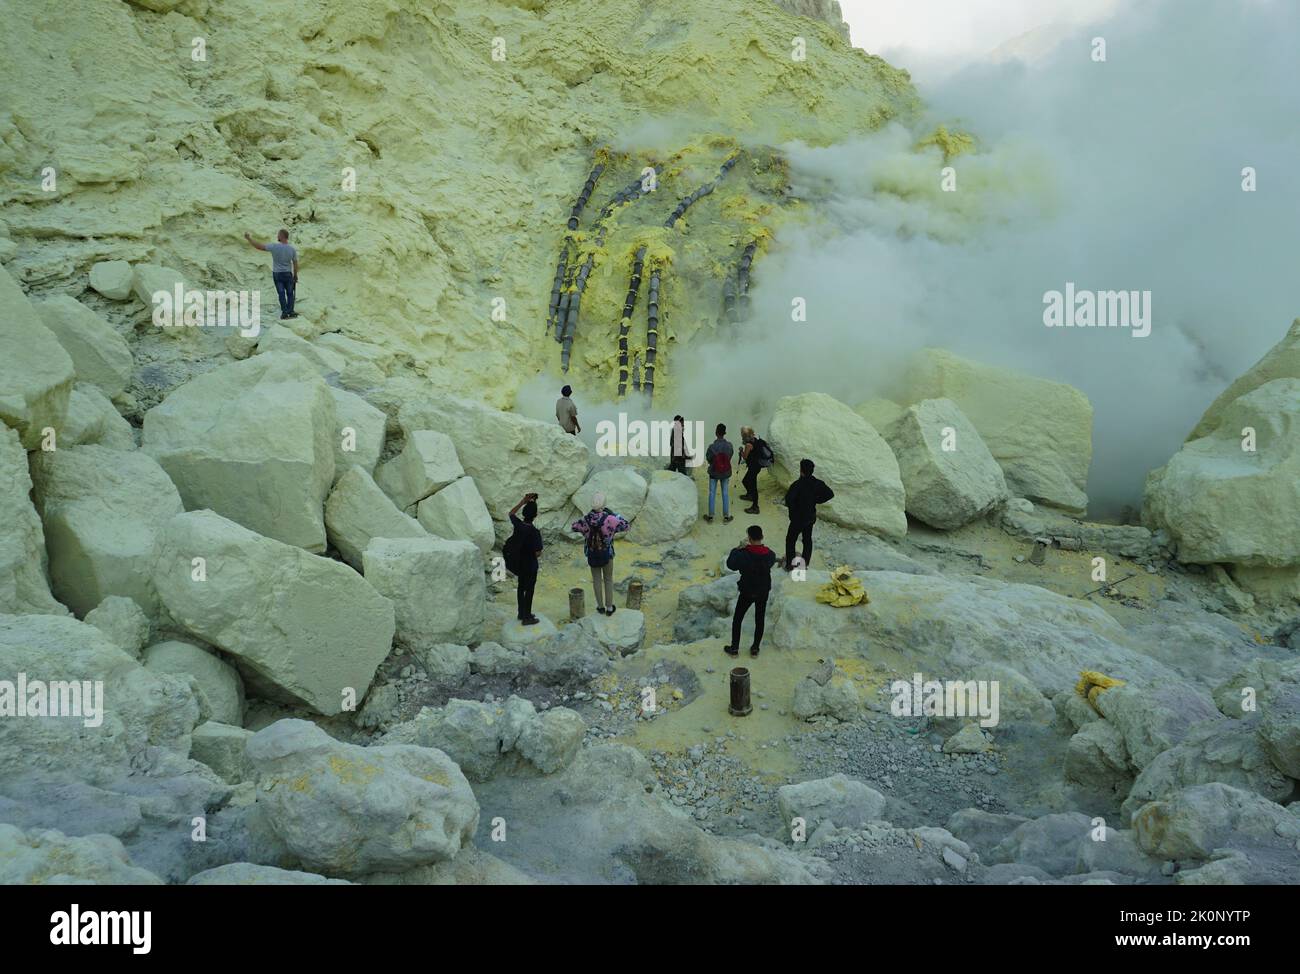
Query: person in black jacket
{"points": [[754, 561], [801, 501], [530, 549]]}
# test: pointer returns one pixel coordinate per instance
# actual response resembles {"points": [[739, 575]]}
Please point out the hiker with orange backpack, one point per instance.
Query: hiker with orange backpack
{"points": [[718, 457], [598, 527]]}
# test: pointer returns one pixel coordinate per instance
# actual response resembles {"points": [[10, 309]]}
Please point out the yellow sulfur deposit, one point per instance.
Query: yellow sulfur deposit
{"points": [[1091, 684], [843, 589]]}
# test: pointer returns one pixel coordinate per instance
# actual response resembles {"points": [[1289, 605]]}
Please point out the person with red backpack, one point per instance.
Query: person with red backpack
{"points": [[598, 527], [718, 456], [753, 560]]}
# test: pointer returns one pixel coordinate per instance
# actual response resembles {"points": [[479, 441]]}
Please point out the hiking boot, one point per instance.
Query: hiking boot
{"points": [[753, 650], [727, 519], [752, 509], [731, 650], [709, 518], [533, 620], [609, 611]]}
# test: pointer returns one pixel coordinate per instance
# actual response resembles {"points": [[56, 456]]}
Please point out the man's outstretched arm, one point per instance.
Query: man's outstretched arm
{"points": [[257, 245]]}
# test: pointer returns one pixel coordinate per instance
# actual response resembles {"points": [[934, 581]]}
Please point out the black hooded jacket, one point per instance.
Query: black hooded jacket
{"points": [[754, 562], [803, 497]]}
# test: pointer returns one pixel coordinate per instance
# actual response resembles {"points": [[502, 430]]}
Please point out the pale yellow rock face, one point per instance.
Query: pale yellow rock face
{"points": [[99, 354], [36, 374], [1282, 361], [465, 167], [1039, 431]]}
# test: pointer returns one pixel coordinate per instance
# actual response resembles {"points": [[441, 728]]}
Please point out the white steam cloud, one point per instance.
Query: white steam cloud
{"points": [[1117, 175]]}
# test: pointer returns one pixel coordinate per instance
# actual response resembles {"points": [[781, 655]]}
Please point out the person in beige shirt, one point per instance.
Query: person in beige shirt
{"points": [[566, 412]]}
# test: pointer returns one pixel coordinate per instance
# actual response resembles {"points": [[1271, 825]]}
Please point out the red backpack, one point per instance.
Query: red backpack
{"points": [[720, 465]]}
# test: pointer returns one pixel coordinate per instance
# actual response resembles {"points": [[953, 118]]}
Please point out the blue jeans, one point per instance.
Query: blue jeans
{"points": [[726, 501], [284, 288]]}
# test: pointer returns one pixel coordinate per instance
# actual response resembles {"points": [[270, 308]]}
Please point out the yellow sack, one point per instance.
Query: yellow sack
{"points": [[843, 589], [1091, 684]]}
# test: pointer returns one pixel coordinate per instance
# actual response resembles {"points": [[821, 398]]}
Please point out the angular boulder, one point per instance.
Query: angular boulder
{"points": [[1040, 432], [948, 473], [1282, 361], [222, 747], [671, 508], [623, 632], [506, 454], [1221, 502], [102, 509], [220, 690], [436, 586], [310, 628], [426, 464], [359, 432], [36, 374], [24, 586], [457, 513], [357, 511], [348, 810], [254, 442], [851, 457], [99, 354], [91, 418]]}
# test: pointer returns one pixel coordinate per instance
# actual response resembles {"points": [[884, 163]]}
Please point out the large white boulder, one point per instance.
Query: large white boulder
{"points": [[436, 586], [1040, 432], [1282, 361], [851, 457], [101, 509], [36, 374], [222, 748], [112, 279], [1222, 502], [278, 338], [219, 687], [671, 508], [506, 454], [253, 441], [359, 432], [23, 561], [358, 511], [348, 810], [99, 354], [131, 718], [457, 513], [624, 490], [948, 473], [426, 464], [91, 418], [311, 629], [1202, 819]]}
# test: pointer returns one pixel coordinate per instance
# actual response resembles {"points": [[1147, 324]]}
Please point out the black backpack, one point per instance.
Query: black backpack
{"points": [[764, 453], [599, 550], [512, 553]]}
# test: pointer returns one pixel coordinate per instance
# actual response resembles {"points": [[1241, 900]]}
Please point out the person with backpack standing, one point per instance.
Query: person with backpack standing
{"points": [[754, 561], [598, 527], [718, 456], [520, 553], [801, 501], [755, 454]]}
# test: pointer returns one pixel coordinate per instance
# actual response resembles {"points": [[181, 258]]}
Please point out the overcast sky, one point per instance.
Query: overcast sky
{"points": [[933, 38]]}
